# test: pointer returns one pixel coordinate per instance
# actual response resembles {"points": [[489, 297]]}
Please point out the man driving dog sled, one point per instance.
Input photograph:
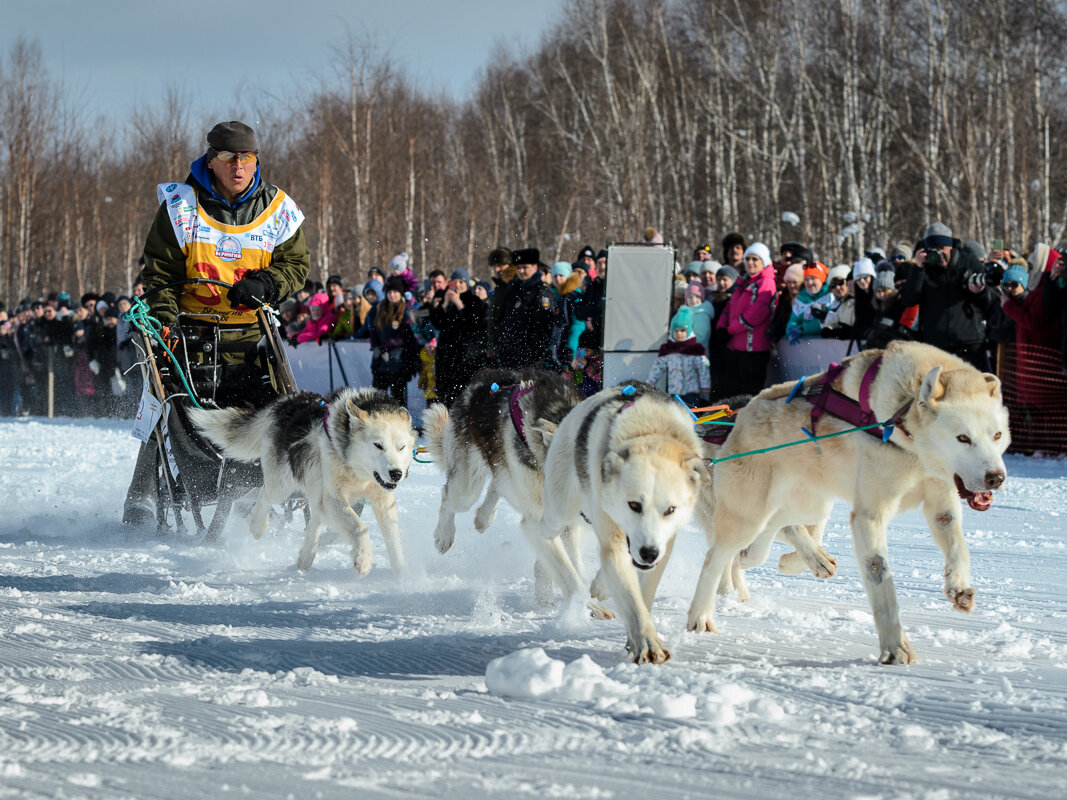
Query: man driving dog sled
{"points": [[226, 223]]}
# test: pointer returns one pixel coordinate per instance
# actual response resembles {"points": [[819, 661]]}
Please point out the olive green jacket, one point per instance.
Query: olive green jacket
{"points": [[164, 261]]}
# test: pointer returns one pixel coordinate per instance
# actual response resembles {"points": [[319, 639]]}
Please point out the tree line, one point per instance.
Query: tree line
{"points": [[841, 123]]}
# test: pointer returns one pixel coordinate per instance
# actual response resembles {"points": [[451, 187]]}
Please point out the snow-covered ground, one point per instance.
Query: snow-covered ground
{"points": [[139, 667]]}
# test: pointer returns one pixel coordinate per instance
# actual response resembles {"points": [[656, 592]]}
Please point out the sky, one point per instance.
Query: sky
{"points": [[114, 56]]}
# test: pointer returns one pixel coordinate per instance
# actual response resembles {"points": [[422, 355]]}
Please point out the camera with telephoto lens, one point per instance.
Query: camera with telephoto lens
{"points": [[994, 274]]}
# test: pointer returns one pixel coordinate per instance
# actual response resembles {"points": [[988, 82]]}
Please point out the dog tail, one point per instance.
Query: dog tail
{"points": [[235, 431], [434, 424]]}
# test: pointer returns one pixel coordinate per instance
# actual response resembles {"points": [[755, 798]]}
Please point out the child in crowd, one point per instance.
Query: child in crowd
{"points": [[683, 361]]}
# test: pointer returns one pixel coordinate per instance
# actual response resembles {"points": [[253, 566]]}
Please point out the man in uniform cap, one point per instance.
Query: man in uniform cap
{"points": [[526, 326]]}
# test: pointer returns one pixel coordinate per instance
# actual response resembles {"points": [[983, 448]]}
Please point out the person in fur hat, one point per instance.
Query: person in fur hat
{"points": [[683, 362]]}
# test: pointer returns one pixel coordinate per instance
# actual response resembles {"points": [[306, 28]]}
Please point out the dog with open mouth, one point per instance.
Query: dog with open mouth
{"points": [[939, 433], [628, 460], [356, 444]]}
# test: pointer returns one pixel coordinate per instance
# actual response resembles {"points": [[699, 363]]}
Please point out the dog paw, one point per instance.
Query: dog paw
{"points": [[701, 623], [791, 564], [823, 565], [597, 611], [443, 538], [961, 599], [742, 593], [483, 518], [649, 650], [363, 556], [900, 653], [306, 559]]}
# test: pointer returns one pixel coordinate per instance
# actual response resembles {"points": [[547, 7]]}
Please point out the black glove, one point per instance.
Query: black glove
{"points": [[819, 311], [253, 290]]}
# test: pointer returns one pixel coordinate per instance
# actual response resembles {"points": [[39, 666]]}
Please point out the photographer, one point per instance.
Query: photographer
{"points": [[950, 288], [459, 316]]}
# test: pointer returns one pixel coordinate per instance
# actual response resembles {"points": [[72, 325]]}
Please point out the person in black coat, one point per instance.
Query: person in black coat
{"points": [[461, 341], [948, 286], [527, 315]]}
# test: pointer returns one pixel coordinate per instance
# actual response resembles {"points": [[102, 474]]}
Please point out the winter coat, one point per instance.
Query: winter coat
{"points": [[461, 344], [951, 316], [394, 351], [318, 329], [702, 317], [748, 313], [840, 318], [591, 310], [526, 323], [411, 283], [165, 262], [1035, 322], [801, 318], [686, 366], [1054, 296], [566, 326]]}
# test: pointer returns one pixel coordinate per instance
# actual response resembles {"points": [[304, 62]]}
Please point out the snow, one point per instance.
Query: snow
{"points": [[136, 666]]}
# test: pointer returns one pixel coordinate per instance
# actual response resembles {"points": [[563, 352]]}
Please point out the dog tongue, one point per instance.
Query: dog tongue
{"points": [[980, 501]]}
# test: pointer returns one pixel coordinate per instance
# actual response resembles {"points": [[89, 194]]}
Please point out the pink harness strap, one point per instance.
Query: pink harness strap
{"points": [[516, 413]]}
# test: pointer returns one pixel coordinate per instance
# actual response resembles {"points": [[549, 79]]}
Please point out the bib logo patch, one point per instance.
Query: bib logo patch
{"points": [[228, 249]]}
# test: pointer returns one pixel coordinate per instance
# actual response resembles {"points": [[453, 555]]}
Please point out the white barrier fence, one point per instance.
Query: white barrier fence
{"points": [[324, 368]]}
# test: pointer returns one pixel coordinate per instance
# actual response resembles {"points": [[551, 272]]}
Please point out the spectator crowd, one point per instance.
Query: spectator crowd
{"points": [[733, 309]]}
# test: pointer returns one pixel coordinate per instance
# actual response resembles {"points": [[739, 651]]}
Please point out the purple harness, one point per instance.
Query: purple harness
{"points": [[826, 400], [516, 413]]}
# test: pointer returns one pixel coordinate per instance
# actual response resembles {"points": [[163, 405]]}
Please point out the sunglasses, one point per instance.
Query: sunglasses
{"points": [[837, 282], [228, 157], [1010, 285]]}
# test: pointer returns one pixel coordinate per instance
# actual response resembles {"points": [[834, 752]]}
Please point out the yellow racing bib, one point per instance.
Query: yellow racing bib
{"points": [[224, 252]]}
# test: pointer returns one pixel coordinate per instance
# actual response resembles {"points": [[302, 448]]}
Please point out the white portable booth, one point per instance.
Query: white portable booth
{"points": [[637, 312]]}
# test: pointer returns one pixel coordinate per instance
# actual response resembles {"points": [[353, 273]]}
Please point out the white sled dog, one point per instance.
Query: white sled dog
{"points": [[356, 444], [629, 460], [948, 436], [502, 436], [807, 553]]}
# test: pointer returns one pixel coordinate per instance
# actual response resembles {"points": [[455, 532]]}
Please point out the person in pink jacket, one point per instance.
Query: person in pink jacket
{"points": [[322, 319], [746, 319], [400, 268]]}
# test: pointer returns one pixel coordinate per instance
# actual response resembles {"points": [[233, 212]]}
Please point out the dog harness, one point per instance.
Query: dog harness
{"points": [[825, 399], [516, 395]]}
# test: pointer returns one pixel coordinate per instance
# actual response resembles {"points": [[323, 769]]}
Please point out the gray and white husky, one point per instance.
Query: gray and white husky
{"points": [[357, 444], [628, 460], [501, 436]]}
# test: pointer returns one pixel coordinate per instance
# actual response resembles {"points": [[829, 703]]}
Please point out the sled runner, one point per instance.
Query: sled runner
{"points": [[183, 368]]}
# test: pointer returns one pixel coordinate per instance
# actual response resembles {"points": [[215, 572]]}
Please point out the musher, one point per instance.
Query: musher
{"points": [[224, 222]]}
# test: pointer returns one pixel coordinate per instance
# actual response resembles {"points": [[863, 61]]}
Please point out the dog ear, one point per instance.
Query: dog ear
{"points": [[698, 470], [993, 384], [612, 466], [931, 390], [360, 415]]}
